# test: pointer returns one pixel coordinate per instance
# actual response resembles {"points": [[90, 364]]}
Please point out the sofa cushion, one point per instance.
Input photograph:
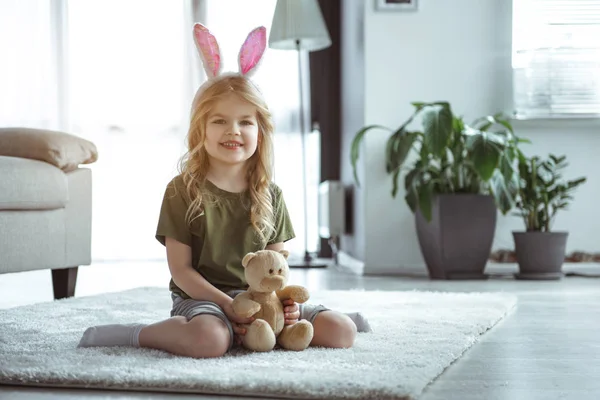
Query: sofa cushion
{"points": [[63, 150], [31, 185]]}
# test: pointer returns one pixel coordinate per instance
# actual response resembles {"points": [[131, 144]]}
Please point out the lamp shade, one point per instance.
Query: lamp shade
{"points": [[298, 25]]}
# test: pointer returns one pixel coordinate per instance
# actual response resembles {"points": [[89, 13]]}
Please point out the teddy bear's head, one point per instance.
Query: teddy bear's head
{"points": [[266, 270]]}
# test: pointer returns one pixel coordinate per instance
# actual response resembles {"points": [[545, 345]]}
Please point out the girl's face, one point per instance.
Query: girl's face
{"points": [[231, 131]]}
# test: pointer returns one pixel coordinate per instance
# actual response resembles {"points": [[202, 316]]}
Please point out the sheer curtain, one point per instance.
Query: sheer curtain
{"points": [[129, 95], [121, 75], [28, 73], [132, 72]]}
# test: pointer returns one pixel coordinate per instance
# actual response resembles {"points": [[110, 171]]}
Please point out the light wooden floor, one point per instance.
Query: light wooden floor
{"points": [[549, 348]]}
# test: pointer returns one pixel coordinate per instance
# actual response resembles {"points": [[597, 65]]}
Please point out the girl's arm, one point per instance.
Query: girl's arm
{"points": [[275, 246], [179, 258]]}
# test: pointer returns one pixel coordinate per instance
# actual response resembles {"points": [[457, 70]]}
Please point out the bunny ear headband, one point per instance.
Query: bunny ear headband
{"points": [[250, 54]]}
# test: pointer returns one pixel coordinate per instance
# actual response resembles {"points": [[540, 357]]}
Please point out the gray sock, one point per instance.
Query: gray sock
{"points": [[362, 325], [112, 335]]}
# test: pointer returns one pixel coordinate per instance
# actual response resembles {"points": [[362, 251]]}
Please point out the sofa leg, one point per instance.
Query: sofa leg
{"points": [[63, 282]]}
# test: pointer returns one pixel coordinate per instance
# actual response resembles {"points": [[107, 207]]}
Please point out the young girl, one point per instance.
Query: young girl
{"points": [[220, 207]]}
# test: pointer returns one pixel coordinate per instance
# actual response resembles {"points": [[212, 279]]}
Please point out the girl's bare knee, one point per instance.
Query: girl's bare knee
{"points": [[346, 331], [336, 330], [207, 337]]}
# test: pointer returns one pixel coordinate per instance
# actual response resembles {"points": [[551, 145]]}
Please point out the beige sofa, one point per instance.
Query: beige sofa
{"points": [[45, 205]]}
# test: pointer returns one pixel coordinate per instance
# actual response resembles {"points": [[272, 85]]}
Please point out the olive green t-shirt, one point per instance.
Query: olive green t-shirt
{"points": [[222, 235]]}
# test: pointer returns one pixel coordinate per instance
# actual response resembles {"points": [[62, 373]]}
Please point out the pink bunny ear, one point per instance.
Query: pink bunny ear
{"points": [[252, 50], [208, 48]]}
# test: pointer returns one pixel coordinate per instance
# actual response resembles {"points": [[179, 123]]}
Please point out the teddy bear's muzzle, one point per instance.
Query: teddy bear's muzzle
{"points": [[273, 283]]}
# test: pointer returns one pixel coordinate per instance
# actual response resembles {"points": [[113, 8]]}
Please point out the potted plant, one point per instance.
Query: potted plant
{"points": [[540, 252], [462, 175]]}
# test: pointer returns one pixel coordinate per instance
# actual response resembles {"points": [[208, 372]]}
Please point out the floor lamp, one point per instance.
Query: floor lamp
{"points": [[298, 25]]}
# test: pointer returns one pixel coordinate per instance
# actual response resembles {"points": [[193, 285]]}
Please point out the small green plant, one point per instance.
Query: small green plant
{"points": [[452, 157], [543, 191]]}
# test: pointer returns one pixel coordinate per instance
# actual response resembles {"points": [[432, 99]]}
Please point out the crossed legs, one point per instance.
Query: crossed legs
{"points": [[207, 336]]}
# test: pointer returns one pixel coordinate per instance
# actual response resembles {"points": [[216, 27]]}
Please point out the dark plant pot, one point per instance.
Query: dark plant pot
{"points": [[457, 242], [540, 254]]}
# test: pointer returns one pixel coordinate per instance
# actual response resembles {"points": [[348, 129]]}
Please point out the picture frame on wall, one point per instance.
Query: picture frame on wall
{"points": [[396, 5]]}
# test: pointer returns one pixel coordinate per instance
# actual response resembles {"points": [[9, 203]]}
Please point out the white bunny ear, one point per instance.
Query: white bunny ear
{"points": [[208, 48], [252, 50]]}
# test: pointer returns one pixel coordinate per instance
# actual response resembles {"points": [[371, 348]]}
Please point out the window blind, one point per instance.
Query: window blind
{"points": [[556, 58]]}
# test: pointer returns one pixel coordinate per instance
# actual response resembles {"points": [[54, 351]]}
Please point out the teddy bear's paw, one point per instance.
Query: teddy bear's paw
{"points": [[296, 337], [298, 293], [251, 310], [244, 306], [259, 336]]}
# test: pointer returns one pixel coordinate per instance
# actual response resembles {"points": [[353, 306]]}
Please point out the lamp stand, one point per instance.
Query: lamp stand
{"points": [[309, 260], [307, 255]]}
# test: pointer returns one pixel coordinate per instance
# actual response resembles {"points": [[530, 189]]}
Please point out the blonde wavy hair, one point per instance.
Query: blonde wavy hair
{"points": [[194, 164]]}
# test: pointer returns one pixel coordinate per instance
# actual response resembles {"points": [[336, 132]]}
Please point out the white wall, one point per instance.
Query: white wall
{"points": [[457, 51]]}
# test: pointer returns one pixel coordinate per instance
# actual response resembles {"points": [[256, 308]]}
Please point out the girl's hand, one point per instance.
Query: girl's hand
{"points": [[291, 312], [236, 321]]}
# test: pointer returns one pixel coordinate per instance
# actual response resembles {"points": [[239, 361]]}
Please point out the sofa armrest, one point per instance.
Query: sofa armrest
{"points": [[78, 216]]}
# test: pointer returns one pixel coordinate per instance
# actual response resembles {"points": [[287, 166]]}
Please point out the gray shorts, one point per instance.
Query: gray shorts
{"points": [[189, 308]]}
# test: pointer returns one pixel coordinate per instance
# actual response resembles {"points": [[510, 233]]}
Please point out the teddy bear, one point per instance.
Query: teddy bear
{"points": [[266, 273]]}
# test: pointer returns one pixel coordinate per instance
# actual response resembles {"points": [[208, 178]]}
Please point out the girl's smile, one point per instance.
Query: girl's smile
{"points": [[232, 145]]}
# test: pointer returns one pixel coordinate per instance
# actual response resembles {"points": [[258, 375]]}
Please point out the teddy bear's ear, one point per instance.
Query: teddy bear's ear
{"points": [[285, 253], [247, 259]]}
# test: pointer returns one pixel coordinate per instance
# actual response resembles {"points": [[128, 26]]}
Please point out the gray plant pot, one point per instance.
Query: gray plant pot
{"points": [[540, 255], [457, 242]]}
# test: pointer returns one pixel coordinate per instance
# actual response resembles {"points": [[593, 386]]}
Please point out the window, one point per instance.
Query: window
{"points": [[128, 89], [556, 58], [28, 76]]}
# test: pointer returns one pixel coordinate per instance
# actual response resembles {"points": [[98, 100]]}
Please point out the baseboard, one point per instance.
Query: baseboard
{"points": [[509, 256], [404, 270], [315, 263], [347, 263]]}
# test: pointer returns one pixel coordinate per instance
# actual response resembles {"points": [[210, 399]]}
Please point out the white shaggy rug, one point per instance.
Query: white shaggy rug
{"points": [[416, 336]]}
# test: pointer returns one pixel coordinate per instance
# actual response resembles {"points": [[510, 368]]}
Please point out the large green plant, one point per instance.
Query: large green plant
{"points": [[543, 191], [452, 157]]}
